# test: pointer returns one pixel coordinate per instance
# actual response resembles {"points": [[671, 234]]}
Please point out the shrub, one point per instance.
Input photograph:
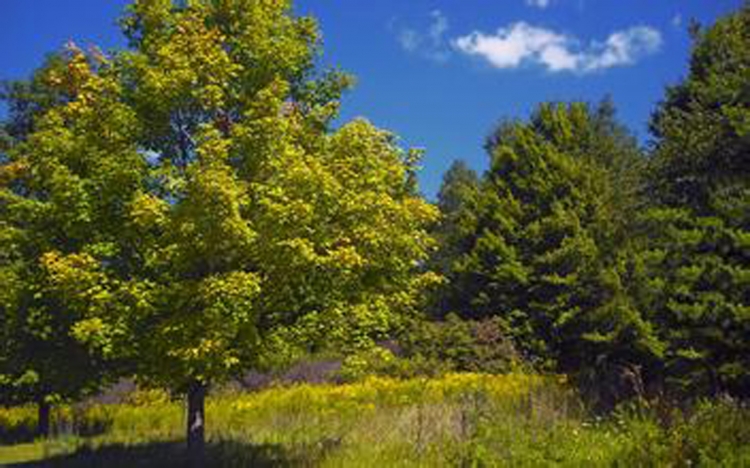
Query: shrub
{"points": [[457, 345]]}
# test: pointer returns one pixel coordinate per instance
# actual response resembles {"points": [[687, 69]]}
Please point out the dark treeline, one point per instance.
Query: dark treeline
{"points": [[628, 268]]}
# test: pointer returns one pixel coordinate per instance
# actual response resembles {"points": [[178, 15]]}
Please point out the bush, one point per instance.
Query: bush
{"points": [[457, 345], [17, 424], [712, 433], [373, 361]]}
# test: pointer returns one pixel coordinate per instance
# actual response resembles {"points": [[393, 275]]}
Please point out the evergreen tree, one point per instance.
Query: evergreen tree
{"points": [[547, 256], [695, 261], [458, 201]]}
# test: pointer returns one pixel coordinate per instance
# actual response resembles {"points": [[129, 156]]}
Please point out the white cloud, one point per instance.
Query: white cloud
{"points": [[539, 3], [521, 43], [624, 48], [431, 43]]}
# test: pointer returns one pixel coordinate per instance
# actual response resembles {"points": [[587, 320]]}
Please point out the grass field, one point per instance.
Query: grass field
{"points": [[456, 420]]}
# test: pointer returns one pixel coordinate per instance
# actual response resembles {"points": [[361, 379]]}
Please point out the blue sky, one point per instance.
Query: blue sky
{"points": [[441, 73]]}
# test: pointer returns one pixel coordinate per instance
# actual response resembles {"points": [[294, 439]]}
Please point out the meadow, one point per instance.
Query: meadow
{"points": [[460, 419]]}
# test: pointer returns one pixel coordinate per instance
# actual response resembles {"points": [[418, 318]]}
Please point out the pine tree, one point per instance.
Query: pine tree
{"points": [[458, 201], [545, 256], [695, 261]]}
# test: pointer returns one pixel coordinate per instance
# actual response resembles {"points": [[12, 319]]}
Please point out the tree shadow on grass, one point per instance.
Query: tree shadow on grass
{"points": [[173, 454], [26, 431], [18, 434]]}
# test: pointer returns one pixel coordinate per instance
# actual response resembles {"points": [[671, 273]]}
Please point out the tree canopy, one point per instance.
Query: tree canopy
{"points": [[696, 235], [193, 213], [546, 252]]}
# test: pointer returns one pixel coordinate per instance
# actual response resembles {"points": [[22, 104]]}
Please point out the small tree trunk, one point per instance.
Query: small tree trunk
{"points": [[43, 417], [196, 423]]}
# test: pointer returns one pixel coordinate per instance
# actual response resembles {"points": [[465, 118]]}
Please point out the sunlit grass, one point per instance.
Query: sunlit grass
{"points": [[456, 420]]}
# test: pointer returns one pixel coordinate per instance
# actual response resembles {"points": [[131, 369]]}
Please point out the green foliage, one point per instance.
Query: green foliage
{"points": [[546, 255], [692, 277], [712, 433], [434, 348], [457, 345], [187, 211], [702, 128], [632, 273], [458, 201], [62, 187], [26, 101], [366, 363], [317, 229], [693, 274]]}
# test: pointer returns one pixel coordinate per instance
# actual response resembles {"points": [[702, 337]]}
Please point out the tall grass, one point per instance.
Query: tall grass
{"points": [[456, 420]]}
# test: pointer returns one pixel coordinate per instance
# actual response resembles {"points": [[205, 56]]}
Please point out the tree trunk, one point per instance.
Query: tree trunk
{"points": [[196, 423], [43, 417]]}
